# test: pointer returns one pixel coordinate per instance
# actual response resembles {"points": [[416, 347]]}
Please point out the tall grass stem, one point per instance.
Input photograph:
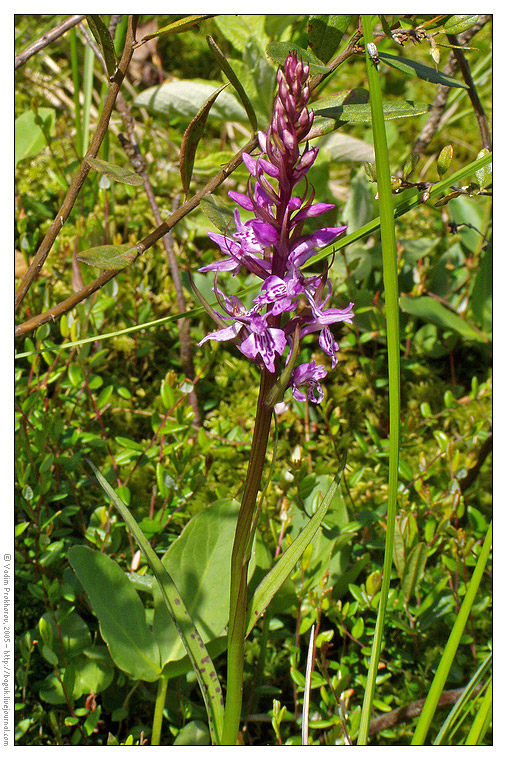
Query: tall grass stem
{"points": [[390, 270]]}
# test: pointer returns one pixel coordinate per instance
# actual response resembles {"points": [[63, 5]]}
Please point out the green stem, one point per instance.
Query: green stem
{"points": [[159, 710], [239, 563], [390, 267]]}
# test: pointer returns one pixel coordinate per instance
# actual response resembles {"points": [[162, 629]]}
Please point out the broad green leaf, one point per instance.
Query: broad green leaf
{"points": [[420, 70], [182, 99], [118, 173], [29, 138], [344, 147], [220, 214], [482, 293], [109, 256], [120, 613], [94, 671], [192, 137], [278, 52], [181, 25], [414, 570], [239, 30], [460, 23], [361, 113], [70, 638], [325, 33], [128, 443], [194, 645], [469, 213], [194, 734], [103, 37], [430, 310], [199, 564]]}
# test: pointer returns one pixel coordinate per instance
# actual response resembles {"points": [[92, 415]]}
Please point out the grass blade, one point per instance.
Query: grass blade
{"points": [[444, 735], [390, 267], [278, 574], [451, 647]]}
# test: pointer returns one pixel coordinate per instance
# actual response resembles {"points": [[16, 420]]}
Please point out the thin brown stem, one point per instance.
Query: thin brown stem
{"points": [[472, 92], [47, 39], [78, 181], [136, 158]]}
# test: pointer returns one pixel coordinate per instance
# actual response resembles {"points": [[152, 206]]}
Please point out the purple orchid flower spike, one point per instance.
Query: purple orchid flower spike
{"points": [[273, 246]]}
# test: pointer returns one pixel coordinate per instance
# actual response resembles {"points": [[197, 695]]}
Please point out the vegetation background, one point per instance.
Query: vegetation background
{"points": [[118, 379]]}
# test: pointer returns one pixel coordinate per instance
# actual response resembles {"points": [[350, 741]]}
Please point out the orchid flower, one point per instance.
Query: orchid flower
{"points": [[272, 244]]}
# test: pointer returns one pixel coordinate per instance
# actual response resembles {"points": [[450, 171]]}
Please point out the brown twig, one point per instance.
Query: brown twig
{"points": [[472, 92], [47, 39], [407, 712], [136, 158], [486, 448], [75, 187]]}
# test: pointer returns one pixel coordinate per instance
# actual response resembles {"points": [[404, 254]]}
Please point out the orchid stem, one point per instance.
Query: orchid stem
{"points": [[239, 563]]}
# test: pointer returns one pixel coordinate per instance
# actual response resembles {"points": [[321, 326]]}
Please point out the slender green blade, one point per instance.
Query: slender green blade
{"points": [[277, 576], [451, 647], [390, 271]]}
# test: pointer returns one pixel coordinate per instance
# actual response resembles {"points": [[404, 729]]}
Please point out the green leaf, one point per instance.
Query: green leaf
{"points": [[181, 25], [29, 138], [359, 208], [69, 633], [278, 52], [219, 213], [414, 570], [20, 529], [194, 734], [182, 99], [484, 175], [342, 147], [233, 79], [416, 69], [482, 293], [444, 160], [460, 23], [103, 37], [192, 137], [325, 33], [118, 173], [120, 613], [240, 30], [109, 256], [94, 671], [277, 576], [433, 311], [196, 649], [199, 564], [361, 113]]}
